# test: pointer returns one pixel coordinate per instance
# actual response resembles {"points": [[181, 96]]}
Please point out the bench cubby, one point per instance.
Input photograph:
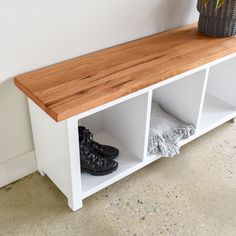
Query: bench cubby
{"points": [[122, 126], [220, 98], [190, 75], [183, 98]]}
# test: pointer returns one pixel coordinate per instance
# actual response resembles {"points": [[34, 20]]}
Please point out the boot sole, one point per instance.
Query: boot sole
{"points": [[113, 157], [100, 173]]}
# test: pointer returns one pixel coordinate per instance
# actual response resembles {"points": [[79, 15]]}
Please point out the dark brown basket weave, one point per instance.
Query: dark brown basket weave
{"points": [[217, 23]]}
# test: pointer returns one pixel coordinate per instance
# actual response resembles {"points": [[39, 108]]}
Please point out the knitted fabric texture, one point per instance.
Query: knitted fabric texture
{"points": [[165, 132]]}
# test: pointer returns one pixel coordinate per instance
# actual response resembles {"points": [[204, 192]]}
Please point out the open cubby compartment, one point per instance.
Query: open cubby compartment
{"points": [[220, 99], [122, 126], [183, 98]]}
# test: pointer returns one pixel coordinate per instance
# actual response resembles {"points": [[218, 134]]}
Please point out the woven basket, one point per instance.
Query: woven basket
{"points": [[217, 23]]}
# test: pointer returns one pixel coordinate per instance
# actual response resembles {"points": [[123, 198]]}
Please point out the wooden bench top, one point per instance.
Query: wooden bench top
{"points": [[77, 85]]}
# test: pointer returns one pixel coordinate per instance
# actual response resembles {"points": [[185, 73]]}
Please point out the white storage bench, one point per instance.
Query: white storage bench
{"points": [[111, 92]]}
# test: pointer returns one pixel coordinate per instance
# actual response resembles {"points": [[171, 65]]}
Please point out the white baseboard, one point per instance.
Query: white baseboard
{"points": [[17, 168]]}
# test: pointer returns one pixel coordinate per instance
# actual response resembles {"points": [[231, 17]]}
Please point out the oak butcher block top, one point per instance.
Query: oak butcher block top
{"points": [[77, 85]]}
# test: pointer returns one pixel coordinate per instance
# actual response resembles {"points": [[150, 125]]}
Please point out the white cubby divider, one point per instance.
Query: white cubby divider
{"points": [[204, 96]]}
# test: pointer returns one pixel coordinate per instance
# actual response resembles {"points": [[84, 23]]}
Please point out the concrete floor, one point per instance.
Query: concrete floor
{"points": [[191, 194]]}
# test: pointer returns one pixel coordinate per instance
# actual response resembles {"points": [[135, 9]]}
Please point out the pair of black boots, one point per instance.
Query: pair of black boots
{"points": [[96, 158]]}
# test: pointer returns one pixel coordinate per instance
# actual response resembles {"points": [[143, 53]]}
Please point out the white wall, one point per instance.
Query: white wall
{"points": [[37, 33]]}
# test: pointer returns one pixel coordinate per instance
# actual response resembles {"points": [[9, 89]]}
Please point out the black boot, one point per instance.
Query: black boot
{"points": [[94, 163], [104, 150]]}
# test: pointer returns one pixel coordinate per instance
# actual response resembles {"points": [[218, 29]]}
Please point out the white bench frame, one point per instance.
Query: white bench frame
{"points": [[57, 144]]}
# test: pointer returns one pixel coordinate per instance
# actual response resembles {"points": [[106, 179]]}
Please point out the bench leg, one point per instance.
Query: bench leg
{"points": [[57, 153], [75, 204], [233, 120]]}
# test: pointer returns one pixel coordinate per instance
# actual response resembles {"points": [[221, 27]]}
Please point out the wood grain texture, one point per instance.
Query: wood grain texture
{"points": [[77, 85]]}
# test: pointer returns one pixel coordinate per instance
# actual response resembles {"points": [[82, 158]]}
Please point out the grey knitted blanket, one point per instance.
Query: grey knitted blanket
{"points": [[165, 132]]}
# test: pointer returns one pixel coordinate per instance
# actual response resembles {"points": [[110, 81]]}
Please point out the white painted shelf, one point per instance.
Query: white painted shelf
{"points": [[215, 111]]}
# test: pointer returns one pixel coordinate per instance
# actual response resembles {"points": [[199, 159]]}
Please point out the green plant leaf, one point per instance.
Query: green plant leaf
{"points": [[219, 4]]}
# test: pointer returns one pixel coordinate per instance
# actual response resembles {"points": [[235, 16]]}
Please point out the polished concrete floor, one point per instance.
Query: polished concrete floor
{"points": [[191, 194]]}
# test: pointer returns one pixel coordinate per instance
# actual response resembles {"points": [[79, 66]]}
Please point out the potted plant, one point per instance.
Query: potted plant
{"points": [[217, 17]]}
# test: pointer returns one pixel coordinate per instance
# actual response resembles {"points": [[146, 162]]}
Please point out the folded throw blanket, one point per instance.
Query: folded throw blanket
{"points": [[165, 132]]}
